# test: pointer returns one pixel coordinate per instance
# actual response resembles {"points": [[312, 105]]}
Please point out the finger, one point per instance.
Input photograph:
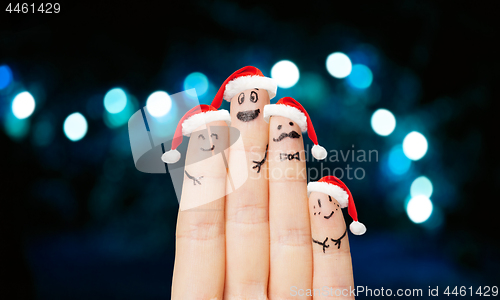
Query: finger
{"points": [[247, 225], [331, 253], [291, 253], [200, 241]]}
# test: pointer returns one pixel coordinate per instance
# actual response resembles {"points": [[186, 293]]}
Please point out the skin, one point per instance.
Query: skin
{"points": [[333, 268], [200, 240], [264, 241], [290, 234], [247, 215]]}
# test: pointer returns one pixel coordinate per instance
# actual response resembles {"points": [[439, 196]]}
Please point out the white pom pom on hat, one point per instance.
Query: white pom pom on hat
{"points": [[334, 187], [194, 118], [293, 110]]}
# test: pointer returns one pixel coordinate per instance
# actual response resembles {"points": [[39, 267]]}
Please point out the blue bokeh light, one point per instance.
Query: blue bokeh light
{"points": [[421, 186], [16, 128], [398, 162], [197, 81], [383, 122], [415, 145], [338, 65], [361, 77], [5, 76], [115, 100], [285, 73], [159, 104], [118, 119], [23, 105], [419, 209], [75, 127]]}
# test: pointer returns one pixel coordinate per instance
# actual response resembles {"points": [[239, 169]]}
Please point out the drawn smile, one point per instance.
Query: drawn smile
{"points": [[293, 135], [208, 149], [247, 116], [328, 217]]}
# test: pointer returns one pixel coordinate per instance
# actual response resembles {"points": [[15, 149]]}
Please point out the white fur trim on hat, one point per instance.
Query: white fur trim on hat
{"points": [[171, 157], [243, 83], [287, 111], [330, 189], [193, 122], [357, 228], [319, 152]]}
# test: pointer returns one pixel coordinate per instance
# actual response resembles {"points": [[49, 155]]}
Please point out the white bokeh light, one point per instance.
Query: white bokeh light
{"points": [[415, 145], [419, 209], [338, 65], [75, 126], [383, 122], [23, 105], [285, 73], [159, 104], [421, 186]]}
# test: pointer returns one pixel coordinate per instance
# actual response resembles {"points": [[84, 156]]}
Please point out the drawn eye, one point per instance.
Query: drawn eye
{"points": [[241, 98], [279, 127], [291, 123], [201, 136], [216, 136], [254, 97]]}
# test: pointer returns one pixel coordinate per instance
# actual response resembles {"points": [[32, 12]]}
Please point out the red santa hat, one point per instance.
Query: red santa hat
{"points": [[291, 109], [334, 187], [245, 78], [194, 118]]}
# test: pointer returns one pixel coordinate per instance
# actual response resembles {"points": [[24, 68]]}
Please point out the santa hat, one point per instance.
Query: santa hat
{"points": [[332, 186], [194, 118], [291, 109], [245, 78]]}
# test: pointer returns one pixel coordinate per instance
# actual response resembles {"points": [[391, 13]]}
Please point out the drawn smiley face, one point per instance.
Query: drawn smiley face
{"points": [[213, 136], [247, 101], [289, 131], [326, 210]]}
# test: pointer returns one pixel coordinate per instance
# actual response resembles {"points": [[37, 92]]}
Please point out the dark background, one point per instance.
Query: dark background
{"points": [[80, 222]]}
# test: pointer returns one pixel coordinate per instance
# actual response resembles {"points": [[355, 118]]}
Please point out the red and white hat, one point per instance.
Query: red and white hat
{"points": [[291, 109], [334, 187], [245, 78], [194, 118]]}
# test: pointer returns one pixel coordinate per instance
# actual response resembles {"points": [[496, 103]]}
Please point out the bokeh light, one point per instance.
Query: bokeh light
{"points": [[197, 81], [121, 118], [75, 126], [338, 65], [5, 76], [361, 77], [383, 122], [285, 73], [16, 128], [23, 105], [115, 100], [398, 162], [419, 209], [421, 186], [159, 104], [415, 145]]}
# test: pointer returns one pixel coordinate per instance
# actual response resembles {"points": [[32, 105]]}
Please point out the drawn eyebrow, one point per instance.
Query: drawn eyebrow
{"points": [[201, 136], [216, 136], [319, 203], [256, 89], [330, 198]]}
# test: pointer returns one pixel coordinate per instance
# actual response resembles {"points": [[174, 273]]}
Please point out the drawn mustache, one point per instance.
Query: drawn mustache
{"points": [[247, 116], [293, 135]]}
